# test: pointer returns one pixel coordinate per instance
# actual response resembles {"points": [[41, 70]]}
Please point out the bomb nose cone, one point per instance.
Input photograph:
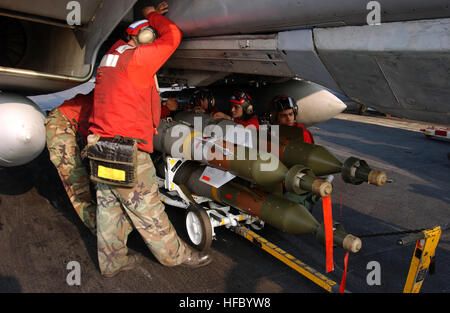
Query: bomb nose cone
{"points": [[352, 243], [377, 178], [322, 187], [316, 157], [357, 171], [288, 216], [340, 238], [300, 179]]}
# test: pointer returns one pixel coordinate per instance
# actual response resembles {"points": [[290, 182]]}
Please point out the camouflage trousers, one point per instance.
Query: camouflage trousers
{"points": [[121, 208], [65, 155]]}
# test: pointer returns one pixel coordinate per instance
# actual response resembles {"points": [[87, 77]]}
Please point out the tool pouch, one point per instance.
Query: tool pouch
{"points": [[113, 161]]}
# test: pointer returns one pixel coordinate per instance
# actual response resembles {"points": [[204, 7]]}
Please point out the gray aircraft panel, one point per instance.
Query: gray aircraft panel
{"points": [[405, 63], [297, 48], [204, 18]]}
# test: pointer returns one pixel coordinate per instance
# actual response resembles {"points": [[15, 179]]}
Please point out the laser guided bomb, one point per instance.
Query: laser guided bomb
{"points": [[283, 214], [180, 140], [196, 142], [292, 151]]}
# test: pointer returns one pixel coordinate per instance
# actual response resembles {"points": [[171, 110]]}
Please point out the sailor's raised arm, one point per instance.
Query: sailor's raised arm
{"points": [[149, 58]]}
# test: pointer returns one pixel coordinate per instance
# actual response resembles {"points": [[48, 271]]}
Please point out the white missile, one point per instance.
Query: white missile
{"points": [[319, 106], [22, 130], [315, 103]]}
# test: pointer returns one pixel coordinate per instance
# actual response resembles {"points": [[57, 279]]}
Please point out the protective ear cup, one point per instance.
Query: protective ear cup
{"points": [[295, 107], [146, 35], [272, 117], [249, 109]]}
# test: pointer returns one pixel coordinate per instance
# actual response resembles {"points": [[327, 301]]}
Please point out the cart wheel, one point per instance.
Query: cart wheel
{"points": [[198, 227], [257, 225]]}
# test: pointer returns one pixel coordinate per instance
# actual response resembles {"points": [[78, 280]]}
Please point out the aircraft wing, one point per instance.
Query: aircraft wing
{"points": [[401, 66]]}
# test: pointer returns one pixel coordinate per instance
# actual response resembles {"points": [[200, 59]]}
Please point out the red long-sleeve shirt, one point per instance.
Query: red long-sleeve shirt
{"points": [[307, 136], [165, 112], [251, 121], [78, 110], [126, 100]]}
